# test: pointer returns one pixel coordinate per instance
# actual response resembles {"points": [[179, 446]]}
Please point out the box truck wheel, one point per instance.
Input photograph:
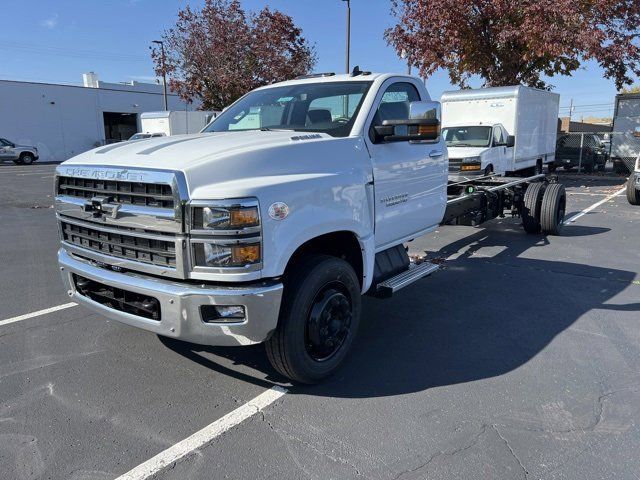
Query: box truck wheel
{"points": [[318, 320], [531, 207], [633, 194], [554, 205]]}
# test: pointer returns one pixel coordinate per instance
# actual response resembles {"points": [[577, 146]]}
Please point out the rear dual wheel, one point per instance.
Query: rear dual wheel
{"points": [[318, 320], [543, 210], [554, 206]]}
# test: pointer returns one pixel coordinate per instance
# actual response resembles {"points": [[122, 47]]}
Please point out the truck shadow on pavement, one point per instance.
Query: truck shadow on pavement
{"points": [[479, 317]]}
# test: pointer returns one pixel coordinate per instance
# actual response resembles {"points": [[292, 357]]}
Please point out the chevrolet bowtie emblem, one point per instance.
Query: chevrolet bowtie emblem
{"points": [[102, 206]]}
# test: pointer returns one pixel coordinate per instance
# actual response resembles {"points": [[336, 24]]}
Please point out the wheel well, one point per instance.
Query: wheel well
{"points": [[343, 245], [22, 154]]}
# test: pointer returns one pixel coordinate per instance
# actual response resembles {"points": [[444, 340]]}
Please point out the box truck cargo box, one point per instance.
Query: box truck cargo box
{"points": [[175, 122]]}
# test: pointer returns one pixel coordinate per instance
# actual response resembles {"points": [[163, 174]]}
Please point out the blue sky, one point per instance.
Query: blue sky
{"points": [[56, 41]]}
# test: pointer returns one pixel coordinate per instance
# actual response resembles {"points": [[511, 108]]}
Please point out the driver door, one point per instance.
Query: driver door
{"points": [[6, 150], [410, 178], [501, 154]]}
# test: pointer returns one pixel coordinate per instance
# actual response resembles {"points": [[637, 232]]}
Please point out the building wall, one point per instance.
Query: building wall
{"points": [[63, 120], [566, 126]]}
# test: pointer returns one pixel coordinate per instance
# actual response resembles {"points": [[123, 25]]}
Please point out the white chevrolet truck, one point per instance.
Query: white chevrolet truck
{"points": [[269, 225]]}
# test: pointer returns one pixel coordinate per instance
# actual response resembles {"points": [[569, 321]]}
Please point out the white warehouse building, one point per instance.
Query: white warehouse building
{"points": [[65, 120]]}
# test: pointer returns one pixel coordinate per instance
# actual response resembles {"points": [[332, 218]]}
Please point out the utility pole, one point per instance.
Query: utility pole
{"points": [[570, 109], [405, 56], [164, 74], [347, 70]]}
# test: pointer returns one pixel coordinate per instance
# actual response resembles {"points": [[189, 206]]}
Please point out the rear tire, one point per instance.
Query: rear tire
{"points": [[633, 194], [554, 205], [531, 207], [318, 320]]}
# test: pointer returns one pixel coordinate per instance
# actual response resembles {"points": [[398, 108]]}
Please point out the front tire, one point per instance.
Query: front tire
{"points": [[27, 159], [318, 320]]}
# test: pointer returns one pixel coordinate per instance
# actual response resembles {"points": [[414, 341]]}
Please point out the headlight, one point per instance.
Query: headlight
{"points": [[471, 160], [225, 218], [221, 256]]}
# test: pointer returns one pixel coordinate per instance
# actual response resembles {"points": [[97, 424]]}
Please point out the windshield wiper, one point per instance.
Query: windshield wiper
{"points": [[269, 129]]}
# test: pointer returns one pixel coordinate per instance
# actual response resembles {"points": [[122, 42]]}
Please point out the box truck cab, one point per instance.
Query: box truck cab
{"points": [[499, 129]]}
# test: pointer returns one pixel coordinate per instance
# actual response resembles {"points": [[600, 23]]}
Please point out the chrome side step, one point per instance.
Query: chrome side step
{"points": [[413, 274]]}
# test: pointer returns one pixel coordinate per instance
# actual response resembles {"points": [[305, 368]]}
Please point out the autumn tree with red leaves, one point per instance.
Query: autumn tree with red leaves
{"points": [[218, 53], [509, 42]]}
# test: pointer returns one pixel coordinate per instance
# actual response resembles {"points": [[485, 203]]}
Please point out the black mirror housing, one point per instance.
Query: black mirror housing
{"points": [[423, 125], [511, 141]]}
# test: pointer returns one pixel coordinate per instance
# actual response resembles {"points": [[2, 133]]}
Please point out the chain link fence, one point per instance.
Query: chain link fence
{"points": [[587, 152]]}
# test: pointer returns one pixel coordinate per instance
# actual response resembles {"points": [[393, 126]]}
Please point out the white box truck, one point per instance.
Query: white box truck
{"points": [[499, 129], [175, 122], [625, 139]]}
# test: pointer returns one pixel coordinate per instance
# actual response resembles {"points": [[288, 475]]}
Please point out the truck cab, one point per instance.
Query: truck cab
{"points": [[268, 226], [478, 149]]}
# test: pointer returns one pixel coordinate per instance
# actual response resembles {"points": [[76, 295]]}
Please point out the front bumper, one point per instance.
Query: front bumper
{"points": [[180, 304]]}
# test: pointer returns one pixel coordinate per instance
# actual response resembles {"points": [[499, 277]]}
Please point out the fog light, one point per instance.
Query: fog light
{"points": [[222, 313]]}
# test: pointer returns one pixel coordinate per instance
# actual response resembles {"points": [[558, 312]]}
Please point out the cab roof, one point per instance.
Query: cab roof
{"points": [[343, 77]]}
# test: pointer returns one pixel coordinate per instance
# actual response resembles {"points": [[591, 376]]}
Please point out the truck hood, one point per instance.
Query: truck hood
{"points": [[462, 152], [182, 152], [232, 164]]}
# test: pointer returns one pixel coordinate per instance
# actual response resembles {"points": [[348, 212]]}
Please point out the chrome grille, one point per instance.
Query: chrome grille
{"points": [[454, 165], [123, 192], [124, 245]]}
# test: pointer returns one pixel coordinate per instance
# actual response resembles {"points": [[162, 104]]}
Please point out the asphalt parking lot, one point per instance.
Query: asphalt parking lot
{"points": [[520, 359]]}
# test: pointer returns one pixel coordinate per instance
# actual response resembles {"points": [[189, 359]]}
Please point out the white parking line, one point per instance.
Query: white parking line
{"points": [[595, 205], [32, 173], [37, 314], [201, 438]]}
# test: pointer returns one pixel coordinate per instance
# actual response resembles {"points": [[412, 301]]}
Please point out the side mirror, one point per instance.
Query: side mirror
{"points": [[423, 125], [511, 141]]}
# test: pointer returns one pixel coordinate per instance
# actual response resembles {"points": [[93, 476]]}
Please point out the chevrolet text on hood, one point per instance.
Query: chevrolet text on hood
{"points": [[269, 225]]}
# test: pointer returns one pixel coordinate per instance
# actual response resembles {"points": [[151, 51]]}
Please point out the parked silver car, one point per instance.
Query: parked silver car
{"points": [[19, 154]]}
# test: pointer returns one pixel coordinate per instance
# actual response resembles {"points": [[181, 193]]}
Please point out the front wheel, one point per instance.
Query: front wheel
{"points": [[27, 158], [318, 320]]}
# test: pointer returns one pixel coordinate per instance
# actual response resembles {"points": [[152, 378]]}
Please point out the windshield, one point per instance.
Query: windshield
{"points": [[467, 136], [140, 136], [330, 108]]}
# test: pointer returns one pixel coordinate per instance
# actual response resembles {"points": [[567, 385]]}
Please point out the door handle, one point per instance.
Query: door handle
{"points": [[435, 153]]}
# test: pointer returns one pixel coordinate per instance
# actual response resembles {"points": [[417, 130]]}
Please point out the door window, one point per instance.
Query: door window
{"points": [[498, 136], [394, 104], [395, 101]]}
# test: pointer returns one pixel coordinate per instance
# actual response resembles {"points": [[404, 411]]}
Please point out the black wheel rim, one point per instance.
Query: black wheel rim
{"points": [[328, 323]]}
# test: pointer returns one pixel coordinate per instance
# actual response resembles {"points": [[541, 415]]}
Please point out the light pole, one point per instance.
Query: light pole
{"points": [[348, 34], [164, 74]]}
